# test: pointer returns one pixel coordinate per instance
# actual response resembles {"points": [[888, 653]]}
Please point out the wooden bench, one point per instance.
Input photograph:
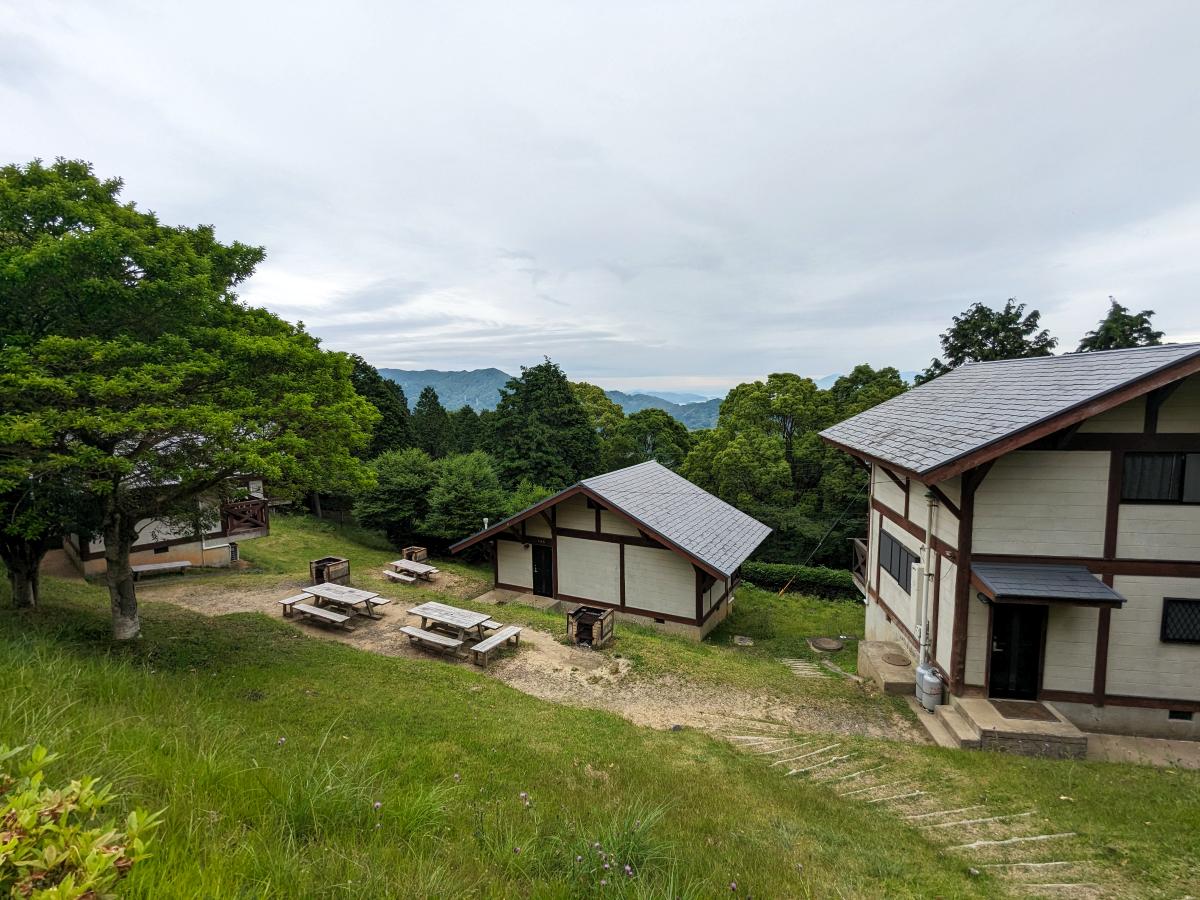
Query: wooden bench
{"points": [[491, 625], [400, 576], [431, 641], [379, 601], [159, 568], [321, 614], [484, 649], [288, 602]]}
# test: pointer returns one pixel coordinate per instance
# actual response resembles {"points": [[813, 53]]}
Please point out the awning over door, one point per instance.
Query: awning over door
{"points": [[1038, 583]]}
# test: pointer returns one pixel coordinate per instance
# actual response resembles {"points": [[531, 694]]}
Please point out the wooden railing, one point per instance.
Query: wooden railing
{"points": [[859, 569], [244, 515]]}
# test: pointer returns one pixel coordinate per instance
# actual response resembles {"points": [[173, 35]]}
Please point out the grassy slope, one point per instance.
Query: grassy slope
{"points": [[191, 717]]}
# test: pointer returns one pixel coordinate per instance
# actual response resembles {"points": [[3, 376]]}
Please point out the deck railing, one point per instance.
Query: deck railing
{"points": [[245, 515]]}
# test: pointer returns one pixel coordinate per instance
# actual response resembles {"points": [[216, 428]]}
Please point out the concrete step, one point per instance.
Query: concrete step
{"points": [[961, 731]]}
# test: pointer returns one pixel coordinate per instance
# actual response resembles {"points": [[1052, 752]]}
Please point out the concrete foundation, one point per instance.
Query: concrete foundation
{"points": [[891, 679], [1130, 720]]}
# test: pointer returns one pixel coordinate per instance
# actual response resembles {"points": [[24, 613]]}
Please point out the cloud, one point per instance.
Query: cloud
{"points": [[652, 194]]}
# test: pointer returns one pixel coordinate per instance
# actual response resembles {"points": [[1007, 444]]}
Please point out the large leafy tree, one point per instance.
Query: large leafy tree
{"points": [[1120, 328], [397, 500], [127, 356], [391, 431], [981, 333], [466, 492], [541, 432], [466, 430], [649, 434], [605, 415], [430, 424]]}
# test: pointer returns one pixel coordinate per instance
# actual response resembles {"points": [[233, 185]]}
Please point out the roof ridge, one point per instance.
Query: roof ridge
{"points": [[1078, 353]]}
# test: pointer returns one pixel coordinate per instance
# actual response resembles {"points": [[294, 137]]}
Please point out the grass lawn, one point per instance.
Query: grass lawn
{"points": [[191, 718]]}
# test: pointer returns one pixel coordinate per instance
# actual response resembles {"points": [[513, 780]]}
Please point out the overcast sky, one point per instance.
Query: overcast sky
{"points": [[677, 195]]}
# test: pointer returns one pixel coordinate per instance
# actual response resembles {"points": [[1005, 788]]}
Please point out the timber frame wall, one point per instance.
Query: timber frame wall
{"points": [[547, 510], [1107, 566]]}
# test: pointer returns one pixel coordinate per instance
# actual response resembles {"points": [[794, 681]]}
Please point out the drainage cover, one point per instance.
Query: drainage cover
{"points": [[742, 641], [826, 644], [896, 659]]}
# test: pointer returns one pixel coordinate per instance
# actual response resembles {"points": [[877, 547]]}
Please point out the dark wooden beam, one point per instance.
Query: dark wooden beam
{"points": [[1154, 402], [945, 501], [971, 480]]}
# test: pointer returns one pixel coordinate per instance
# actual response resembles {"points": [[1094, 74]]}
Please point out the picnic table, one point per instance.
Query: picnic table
{"points": [[420, 569], [346, 597], [159, 568], [451, 618]]}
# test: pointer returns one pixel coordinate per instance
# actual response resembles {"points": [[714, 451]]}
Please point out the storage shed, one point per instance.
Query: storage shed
{"points": [[642, 541]]}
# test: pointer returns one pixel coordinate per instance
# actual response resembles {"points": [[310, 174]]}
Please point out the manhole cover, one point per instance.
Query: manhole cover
{"points": [[896, 659], [829, 645], [742, 641]]}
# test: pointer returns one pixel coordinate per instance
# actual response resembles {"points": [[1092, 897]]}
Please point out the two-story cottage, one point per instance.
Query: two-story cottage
{"points": [[1035, 533]]}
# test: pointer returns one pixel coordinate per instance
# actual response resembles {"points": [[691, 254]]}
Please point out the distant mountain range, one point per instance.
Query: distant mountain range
{"points": [[476, 388], [480, 390]]}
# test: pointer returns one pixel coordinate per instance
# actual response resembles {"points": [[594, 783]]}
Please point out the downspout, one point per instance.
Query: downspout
{"points": [[928, 575]]}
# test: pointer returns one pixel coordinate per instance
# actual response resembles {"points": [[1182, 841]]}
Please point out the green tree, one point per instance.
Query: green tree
{"points": [[785, 405], [1120, 328], [430, 424], [981, 333], [466, 492], [542, 432], [525, 495], [605, 415], [466, 431], [397, 500], [650, 434], [746, 469], [391, 431], [127, 354]]}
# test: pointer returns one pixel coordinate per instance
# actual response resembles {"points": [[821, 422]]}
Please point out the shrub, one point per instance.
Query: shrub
{"points": [[52, 842], [817, 581]]}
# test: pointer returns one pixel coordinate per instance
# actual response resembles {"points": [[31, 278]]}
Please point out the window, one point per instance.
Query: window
{"points": [[158, 550], [1181, 621], [896, 559], [1179, 715], [1161, 478]]}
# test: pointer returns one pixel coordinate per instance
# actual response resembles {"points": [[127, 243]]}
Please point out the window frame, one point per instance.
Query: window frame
{"points": [[905, 570], [1183, 456], [1162, 632]]}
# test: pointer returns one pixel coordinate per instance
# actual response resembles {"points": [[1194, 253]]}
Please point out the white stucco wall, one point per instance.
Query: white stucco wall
{"points": [[1181, 411], [1043, 503], [1128, 418], [901, 602], [977, 633], [574, 513], [589, 569], [945, 620], [659, 581], [514, 564], [613, 523], [1070, 647], [537, 526], [1158, 531], [885, 490], [1139, 663]]}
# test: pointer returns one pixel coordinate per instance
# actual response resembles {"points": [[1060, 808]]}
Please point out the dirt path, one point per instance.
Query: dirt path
{"points": [[547, 669]]}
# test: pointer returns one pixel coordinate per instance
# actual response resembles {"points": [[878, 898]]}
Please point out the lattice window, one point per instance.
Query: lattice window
{"points": [[1181, 621], [896, 559]]}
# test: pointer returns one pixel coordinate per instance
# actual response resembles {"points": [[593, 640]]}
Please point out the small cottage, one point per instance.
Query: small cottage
{"points": [[161, 541], [1034, 535], [642, 541]]}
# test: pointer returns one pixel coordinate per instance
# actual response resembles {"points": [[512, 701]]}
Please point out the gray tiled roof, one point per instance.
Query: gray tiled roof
{"points": [[697, 522], [979, 403], [1067, 583]]}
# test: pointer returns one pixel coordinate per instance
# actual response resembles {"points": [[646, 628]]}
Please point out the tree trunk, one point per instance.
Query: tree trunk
{"points": [[23, 559], [316, 504], [118, 541]]}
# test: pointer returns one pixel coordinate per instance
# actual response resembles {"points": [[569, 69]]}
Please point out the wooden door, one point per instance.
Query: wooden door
{"points": [[1015, 667]]}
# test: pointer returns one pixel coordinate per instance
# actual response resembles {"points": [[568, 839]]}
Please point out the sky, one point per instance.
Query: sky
{"points": [[678, 195]]}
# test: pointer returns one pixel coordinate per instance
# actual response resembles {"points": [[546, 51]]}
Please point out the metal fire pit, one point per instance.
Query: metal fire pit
{"points": [[590, 626], [329, 569]]}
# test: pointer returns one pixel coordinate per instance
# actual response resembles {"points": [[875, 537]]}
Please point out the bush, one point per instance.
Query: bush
{"points": [[816, 581], [52, 843]]}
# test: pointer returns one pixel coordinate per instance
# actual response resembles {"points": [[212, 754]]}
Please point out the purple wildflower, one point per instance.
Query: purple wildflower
{"points": [[733, 885], [603, 882], [628, 869], [606, 866], [377, 805]]}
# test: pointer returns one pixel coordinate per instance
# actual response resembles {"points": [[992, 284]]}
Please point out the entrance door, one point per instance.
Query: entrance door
{"points": [[543, 571], [1016, 663]]}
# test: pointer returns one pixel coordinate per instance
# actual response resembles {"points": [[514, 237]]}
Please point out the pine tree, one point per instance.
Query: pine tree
{"points": [[430, 424], [1120, 329], [541, 432], [981, 333], [391, 432]]}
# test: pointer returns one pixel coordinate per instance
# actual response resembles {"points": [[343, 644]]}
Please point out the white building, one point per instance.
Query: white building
{"points": [[1036, 524], [642, 541]]}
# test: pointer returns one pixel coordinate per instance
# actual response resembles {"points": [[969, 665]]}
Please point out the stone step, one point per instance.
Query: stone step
{"points": [[962, 733]]}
